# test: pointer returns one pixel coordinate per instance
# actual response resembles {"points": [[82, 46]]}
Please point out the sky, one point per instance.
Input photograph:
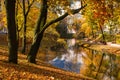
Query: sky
{"points": [[76, 4]]}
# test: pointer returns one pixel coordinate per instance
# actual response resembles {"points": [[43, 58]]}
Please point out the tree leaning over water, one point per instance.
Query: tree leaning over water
{"points": [[41, 26]]}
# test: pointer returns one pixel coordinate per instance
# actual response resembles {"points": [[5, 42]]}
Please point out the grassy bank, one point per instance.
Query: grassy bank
{"points": [[27, 71]]}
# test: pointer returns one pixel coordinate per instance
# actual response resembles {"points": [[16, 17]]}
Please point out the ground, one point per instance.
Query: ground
{"points": [[108, 49], [27, 71]]}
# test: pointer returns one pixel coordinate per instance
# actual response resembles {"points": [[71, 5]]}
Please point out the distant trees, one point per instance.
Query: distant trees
{"points": [[11, 25], [101, 14]]}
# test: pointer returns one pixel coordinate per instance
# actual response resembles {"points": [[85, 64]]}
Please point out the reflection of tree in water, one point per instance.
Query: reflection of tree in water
{"points": [[102, 66], [112, 72], [91, 63]]}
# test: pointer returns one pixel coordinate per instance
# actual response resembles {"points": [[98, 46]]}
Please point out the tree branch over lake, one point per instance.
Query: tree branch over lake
{"points": [[41, 26], [74, 11]]}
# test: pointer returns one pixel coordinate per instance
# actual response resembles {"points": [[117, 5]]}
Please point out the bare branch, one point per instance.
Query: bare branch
{"points": [[19, 4], [29, 6]]}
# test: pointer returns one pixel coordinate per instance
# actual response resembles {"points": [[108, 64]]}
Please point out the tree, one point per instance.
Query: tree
{"points": [[25, 15], [11, 25], [98, 13], [38, 36], [41, 26]]}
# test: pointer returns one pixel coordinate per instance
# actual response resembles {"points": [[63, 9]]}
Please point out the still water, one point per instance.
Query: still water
{"points": [[88, 62]]}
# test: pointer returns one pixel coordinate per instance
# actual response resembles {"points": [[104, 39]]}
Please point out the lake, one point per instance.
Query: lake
{"points": [[85, 61]]}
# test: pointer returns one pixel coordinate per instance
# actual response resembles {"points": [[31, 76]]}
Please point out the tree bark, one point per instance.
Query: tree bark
{"points": [[11, 25], [38, 37], [24, 29], [34, 48]]}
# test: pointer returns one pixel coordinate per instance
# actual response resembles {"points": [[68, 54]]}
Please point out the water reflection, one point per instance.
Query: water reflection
{"points": [[91, 63], [70, 62]]}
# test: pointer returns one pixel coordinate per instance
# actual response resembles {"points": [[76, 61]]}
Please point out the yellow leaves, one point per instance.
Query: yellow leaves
{"points": [[87, 61], [30, 33], [118, 75], [119, 18], [20, 19], [57, 2], [118, 39], [3, 21], [84, 70], [54, 3], [86, 28], [27, 71], [62, 41]]}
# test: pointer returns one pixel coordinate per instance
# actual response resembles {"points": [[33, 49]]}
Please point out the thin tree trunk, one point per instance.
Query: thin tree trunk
{"points": [[103, 36], [16, 9], [100, 65], [11, 25], [93, 32], [24, 29], [25, 14]]}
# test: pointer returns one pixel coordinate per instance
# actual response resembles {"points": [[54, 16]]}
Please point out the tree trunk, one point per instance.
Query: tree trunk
{"points": [[38, 37], [34, 48], [11, 25], [93, 32], [24, 29], [25, 14], [103, 36]]}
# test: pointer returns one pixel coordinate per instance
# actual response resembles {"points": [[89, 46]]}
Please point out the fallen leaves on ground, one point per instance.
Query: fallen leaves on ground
{"points": [[27, 71]]}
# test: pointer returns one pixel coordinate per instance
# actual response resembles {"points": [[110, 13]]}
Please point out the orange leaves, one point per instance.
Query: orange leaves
{"points": [[100, 10], [96, 15], [27, 71], [86, 29]]}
